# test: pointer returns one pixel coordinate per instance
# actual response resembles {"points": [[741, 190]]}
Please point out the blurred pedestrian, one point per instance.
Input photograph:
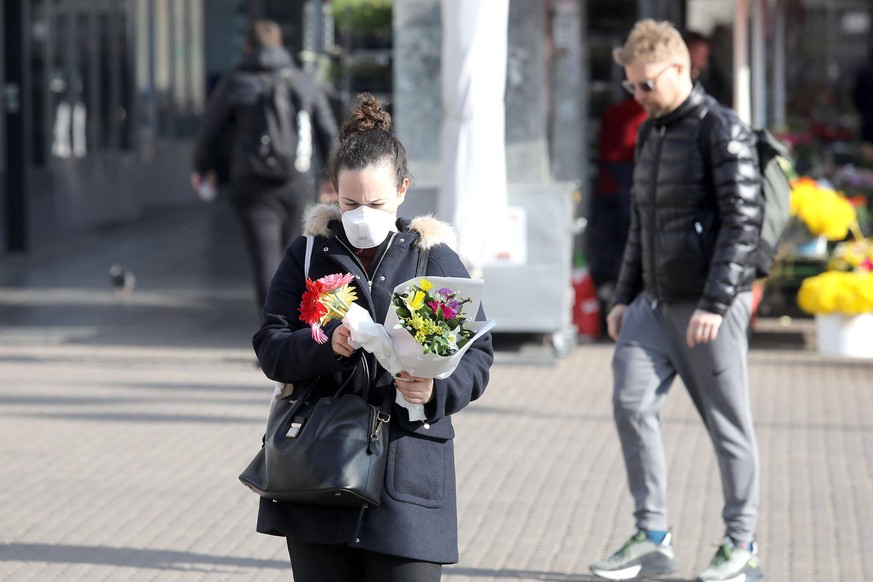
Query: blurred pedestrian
{"points": [[683, 302], [702, 71], [862, 94], [414, 530], [610, 204], [273, 115]]}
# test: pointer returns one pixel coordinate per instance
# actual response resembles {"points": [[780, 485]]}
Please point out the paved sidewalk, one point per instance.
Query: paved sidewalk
{"points": [[124, 422]]}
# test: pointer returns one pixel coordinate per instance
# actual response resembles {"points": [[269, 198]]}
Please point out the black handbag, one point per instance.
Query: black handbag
{"points": [[331, 451]]}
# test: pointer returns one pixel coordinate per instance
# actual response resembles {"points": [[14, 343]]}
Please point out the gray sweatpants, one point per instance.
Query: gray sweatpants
{"points": [[651, 350]]}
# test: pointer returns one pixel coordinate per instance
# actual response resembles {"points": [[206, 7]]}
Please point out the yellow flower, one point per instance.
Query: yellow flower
{"points": [[824, 210], [415, 301], [338, 301], [850, 293], [425, 285]]}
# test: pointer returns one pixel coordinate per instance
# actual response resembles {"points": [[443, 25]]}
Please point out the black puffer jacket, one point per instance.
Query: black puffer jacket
{"points": [[234, 106], [695, 216]]}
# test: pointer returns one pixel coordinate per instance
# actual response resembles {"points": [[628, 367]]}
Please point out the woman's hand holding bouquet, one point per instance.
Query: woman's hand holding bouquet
{"points": [[425, 334]]}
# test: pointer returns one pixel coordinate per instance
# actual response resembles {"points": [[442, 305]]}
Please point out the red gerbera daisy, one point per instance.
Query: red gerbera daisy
{"points": [[311, 308]]}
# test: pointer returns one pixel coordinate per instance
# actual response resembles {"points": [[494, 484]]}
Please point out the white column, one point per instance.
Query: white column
{"points": [[742, 103], [778, 78], [472, 193], [759, 65]]}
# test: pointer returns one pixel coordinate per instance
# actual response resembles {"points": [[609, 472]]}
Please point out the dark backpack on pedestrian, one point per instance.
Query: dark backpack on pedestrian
{"points": [[775, 189], [777, 199], [274, 139]]}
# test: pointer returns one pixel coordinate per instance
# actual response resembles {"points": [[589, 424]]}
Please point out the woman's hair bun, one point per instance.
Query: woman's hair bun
{"points": [[367, 115]]}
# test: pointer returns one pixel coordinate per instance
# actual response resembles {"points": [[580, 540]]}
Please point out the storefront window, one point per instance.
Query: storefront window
{"points": [[80, 77]]}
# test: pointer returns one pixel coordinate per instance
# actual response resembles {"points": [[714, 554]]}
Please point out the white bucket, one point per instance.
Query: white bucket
{"points": [[845, 335]]}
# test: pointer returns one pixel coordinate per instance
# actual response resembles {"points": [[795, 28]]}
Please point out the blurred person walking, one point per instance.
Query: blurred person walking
{"points": [[702, 71], [683, 302], [272, 115], [610, 204]]}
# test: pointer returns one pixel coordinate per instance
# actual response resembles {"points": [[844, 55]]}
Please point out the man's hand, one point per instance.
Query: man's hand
{"points": [[615, 319], [703, 327]]}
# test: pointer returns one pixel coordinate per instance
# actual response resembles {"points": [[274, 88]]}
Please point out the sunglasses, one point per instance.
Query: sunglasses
{"points": [[646, 86]]}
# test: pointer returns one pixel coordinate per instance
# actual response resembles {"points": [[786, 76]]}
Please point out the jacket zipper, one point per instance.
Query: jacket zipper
{"points": [[361, 265], [654, 190]]}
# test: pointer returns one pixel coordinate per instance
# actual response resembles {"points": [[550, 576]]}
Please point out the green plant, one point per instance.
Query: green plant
{"points": [[362, 16]]}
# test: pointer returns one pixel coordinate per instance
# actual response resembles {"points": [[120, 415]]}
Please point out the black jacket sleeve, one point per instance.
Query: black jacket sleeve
{"points": [[468, 381], [284, 345], [630, 275], [737, 184]]}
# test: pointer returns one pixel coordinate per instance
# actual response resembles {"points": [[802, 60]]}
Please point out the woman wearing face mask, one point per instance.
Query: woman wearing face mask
{"points": [[414, 530]]}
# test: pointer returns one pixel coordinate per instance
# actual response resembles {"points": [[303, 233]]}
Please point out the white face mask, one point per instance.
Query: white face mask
{"points": [[367, 227]]}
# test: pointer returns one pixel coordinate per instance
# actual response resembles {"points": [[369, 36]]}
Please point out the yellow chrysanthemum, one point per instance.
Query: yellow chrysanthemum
{"points": [[425, 285], [850, 293], [824, 210]]}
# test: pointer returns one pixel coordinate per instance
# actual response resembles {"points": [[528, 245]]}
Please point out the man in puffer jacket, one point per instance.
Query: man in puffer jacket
{"points": [[683, 302]]}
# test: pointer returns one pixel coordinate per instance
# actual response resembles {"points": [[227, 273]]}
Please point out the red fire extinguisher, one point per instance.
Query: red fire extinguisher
{"points": [[586, 306]]}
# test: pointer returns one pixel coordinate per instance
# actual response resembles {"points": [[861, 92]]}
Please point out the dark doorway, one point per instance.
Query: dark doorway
{"points": [[13, 132]]}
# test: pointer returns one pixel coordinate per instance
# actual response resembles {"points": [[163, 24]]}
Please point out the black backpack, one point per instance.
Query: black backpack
{"points": [[276, 140], [774, 187]]}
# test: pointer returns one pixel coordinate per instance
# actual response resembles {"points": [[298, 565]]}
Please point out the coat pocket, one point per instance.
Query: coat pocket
{"points": [[419, 469]]}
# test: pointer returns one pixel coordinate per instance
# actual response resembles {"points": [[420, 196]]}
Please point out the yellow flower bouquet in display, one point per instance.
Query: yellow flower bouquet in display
{"points": [[823, 210]]}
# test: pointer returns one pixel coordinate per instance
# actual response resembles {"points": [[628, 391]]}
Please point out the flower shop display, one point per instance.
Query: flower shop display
{"points": [[426, 332], [824, 211], [841, 299]]}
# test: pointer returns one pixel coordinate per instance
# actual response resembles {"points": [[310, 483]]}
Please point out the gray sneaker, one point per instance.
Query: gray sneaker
{"points": [[733, 564], [639, 557]]}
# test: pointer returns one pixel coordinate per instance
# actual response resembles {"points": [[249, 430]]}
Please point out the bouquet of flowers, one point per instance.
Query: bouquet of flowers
{"points": [[436, 321], [852, 255], [324, 299], [425, 332]]}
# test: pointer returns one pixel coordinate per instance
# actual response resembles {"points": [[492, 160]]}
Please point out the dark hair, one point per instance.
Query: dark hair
{"points": [[261, 33], [692, 38], [365, 140]]}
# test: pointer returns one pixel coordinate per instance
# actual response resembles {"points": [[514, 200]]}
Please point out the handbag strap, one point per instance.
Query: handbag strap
{"points": [[421, 266], [310, 240]]}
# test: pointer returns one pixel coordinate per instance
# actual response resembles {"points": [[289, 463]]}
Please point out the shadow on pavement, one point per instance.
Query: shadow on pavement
{"points": [[129, 557]]}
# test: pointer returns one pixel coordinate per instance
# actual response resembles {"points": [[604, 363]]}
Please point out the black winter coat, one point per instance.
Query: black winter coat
{"points": [[418, 515], [232, 107], [695, 216]]}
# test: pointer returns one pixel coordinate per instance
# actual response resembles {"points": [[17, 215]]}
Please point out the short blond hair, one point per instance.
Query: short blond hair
{"points": [[657, 41]]}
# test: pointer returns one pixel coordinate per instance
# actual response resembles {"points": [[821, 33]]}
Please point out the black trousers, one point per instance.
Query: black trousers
{"points": [[270, 218], [334, 563]]}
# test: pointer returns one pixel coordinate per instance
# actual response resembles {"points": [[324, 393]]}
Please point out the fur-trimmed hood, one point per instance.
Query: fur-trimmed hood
{"points": [[431, 231]]}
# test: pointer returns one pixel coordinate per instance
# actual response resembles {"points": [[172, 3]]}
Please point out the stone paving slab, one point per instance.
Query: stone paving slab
{"points": [[124, 424]]}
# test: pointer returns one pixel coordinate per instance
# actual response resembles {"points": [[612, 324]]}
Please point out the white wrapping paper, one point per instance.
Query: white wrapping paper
{"points": [[396, 349]]}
